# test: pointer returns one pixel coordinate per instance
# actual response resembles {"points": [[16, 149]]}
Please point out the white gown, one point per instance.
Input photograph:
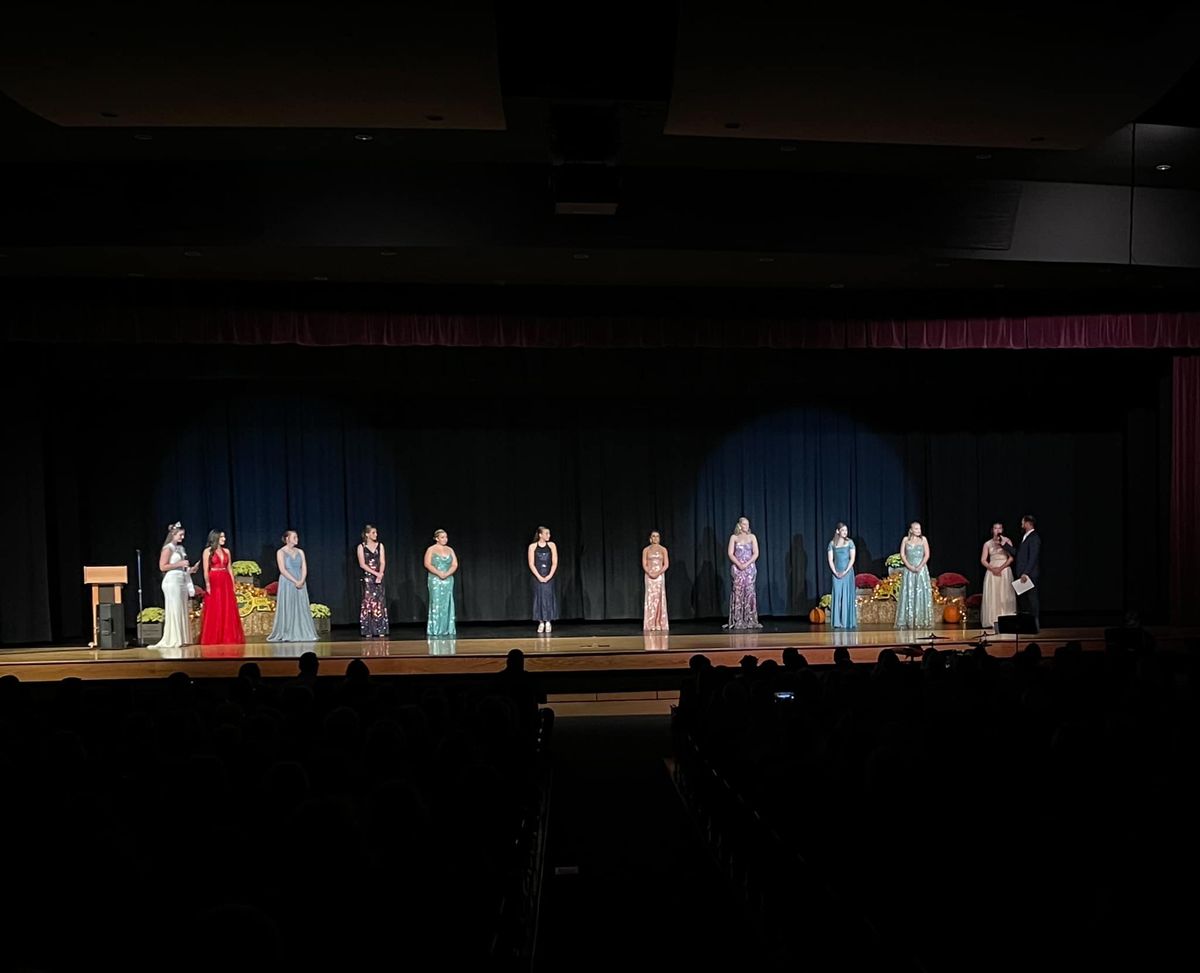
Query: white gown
{"points": [[176, 586], [998, 595]]}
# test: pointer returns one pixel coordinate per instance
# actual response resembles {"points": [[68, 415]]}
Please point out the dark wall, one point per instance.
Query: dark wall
{"points": [[108, 444]]}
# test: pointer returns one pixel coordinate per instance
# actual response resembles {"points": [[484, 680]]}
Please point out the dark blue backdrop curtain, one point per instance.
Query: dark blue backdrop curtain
{"points": [[601, 448]]}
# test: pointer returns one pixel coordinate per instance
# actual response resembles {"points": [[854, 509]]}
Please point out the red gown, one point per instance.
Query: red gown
{"points": [[220, 623]]}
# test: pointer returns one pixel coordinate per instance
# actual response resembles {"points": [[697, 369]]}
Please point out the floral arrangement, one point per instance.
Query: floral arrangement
{"points": [[151, 615], [950, 579], [888, 588], [272, 589], [319, 611], [245, 569], [252, 599], [865, 580], [825, 602], [894, 561]]}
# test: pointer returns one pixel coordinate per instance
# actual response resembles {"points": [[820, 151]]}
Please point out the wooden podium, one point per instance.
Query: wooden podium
{"points": [[106, 584]]}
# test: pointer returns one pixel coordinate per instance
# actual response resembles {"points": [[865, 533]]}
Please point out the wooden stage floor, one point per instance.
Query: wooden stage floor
{"points": [[572, 648]]}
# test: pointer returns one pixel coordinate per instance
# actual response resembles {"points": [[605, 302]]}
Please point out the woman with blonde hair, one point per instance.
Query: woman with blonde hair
{"points": [[177, 588]]}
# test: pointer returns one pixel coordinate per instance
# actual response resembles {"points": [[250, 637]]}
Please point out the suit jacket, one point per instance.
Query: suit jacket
{"points": [[1029, 553]]}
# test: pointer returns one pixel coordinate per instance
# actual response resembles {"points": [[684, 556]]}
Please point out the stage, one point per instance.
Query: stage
{"points": [[572, 648]]}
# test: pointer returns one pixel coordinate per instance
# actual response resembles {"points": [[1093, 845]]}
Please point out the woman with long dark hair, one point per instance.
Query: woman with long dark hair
{"points": [[220, 623]]}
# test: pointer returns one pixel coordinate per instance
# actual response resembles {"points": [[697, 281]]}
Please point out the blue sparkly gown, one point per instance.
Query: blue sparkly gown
{"points": [[441, 599], [915, 606]]}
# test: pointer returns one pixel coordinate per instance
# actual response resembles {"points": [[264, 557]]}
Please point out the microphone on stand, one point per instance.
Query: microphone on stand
{"points": [[138, 640]]}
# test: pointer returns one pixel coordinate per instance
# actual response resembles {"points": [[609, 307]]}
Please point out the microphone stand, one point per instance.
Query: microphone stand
{"points": [[138, 639]]}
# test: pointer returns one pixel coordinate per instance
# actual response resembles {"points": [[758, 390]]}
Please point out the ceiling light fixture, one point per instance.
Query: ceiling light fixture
{"points": [[1163, 167], [144, 137], [364, 137], [581, 256]]}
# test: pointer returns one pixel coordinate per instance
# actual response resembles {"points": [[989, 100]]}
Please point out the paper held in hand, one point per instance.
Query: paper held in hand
{"points": [[1020, 587]]}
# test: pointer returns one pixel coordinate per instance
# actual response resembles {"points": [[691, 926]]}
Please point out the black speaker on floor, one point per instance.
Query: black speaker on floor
{"points": [[1020, 624], [110, 619]]}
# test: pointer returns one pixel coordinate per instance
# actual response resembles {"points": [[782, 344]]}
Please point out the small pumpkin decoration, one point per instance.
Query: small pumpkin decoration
{"points": [[952, 613], [817, 616]]}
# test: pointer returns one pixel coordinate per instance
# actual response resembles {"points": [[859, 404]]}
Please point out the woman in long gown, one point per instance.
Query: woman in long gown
{"points": [[915, 606], [542, 558], [220, 623], [440, 562], [655, 561], [742, 552], [293, 616], [840, 555], [998, 595], [373, 615], [177, 588]]}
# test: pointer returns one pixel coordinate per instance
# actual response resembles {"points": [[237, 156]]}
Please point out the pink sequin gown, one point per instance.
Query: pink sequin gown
{"points": [[654, 612]]}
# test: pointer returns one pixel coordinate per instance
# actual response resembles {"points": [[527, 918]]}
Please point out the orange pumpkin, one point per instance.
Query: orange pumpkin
{"points": [[817, 616], [952, 613]]}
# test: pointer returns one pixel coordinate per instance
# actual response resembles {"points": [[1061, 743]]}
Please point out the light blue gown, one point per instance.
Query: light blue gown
{"points": [[844, 608], [915, 606], [293, 618]]}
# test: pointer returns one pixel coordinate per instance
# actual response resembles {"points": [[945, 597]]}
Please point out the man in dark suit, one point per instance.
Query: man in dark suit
{"points": [[1028, 556]]}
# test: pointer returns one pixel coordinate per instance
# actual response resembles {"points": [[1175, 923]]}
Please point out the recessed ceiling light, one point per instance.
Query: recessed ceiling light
{"points": [[766, 260], [109, 114], [733, 124], [144, 137], [1163, 167], [435, 118], [837, 287], [582, 256], [983, 156], [387, 253], [320, 277], [192, 253], [364, 137]]}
